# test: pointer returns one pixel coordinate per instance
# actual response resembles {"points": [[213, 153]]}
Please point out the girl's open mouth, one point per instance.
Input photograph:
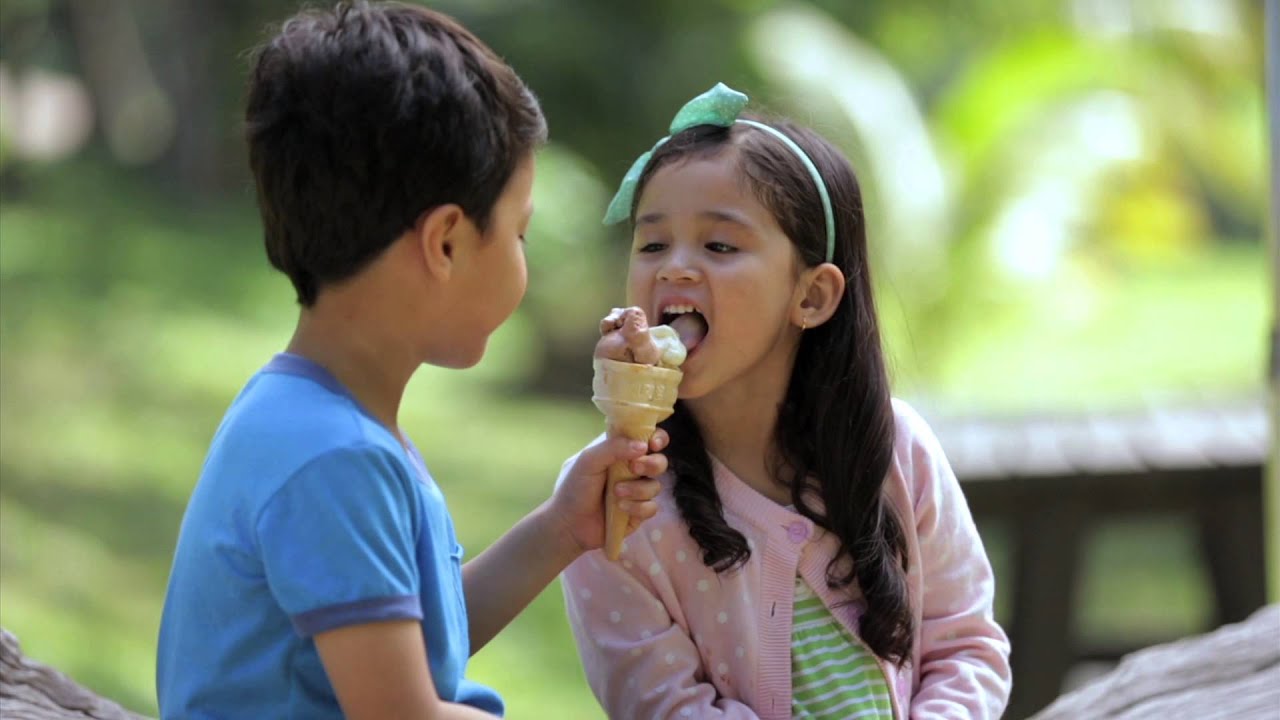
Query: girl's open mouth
{"points": [[688, 323]]}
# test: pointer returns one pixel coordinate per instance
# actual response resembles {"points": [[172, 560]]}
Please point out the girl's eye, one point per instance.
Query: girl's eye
{"points": [[650, 247], [719, 247]]}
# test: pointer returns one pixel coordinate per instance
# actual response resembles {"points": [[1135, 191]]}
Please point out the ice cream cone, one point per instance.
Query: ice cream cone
{"points": [[634, 399]]}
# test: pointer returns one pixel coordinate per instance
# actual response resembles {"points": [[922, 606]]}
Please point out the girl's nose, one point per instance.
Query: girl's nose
{"points": [[678, 268]]}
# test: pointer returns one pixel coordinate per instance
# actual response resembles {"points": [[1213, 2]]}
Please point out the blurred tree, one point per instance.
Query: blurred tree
{"points": [[1002, 146], [1067, 146]]}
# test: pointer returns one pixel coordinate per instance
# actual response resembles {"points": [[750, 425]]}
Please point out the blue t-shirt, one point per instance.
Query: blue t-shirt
{"points": [[309, 515]]}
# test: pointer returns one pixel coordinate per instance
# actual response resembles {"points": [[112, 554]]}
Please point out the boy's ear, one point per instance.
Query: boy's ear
{"points": [[817, 295], [437, 234]]}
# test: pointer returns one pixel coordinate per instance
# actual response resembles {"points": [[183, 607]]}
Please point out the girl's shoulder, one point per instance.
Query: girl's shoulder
{"points": [[919, 462], [911, 430]]}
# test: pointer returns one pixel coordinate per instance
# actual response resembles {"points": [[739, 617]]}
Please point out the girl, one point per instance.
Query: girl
{"points": [[813, 555]]}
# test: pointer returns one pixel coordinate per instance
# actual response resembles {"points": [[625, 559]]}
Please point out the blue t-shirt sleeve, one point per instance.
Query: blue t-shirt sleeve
{"points": [[338, 541]]}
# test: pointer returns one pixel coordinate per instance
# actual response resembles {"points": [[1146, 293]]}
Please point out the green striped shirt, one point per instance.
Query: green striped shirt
{"points": [[833, 676]]}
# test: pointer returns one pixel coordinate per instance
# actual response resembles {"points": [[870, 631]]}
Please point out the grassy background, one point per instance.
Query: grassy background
{"points": [[128, 324]]}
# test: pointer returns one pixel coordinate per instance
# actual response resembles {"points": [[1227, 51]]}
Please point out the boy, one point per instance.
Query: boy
{"points": [[317, 572]]}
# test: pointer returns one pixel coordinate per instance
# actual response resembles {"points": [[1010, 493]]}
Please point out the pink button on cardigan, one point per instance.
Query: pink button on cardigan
{"points": [[663, 636]]}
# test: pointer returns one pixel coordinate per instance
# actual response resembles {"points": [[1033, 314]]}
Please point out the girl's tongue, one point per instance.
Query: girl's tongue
{"points": [[691, 327]]}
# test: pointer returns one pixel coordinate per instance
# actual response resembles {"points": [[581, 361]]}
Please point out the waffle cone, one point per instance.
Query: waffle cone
{"points": [[634, 399]]}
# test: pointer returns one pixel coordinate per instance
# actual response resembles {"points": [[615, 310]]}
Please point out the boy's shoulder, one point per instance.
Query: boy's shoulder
{"points": [[286, 417], [281, 406]]}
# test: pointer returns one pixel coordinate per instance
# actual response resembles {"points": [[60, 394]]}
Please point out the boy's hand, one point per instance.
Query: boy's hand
{"points": [[578, 503], [504, 578]]}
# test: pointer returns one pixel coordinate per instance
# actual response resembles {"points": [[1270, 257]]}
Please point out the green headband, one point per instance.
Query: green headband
{"points": [[719, 106]]}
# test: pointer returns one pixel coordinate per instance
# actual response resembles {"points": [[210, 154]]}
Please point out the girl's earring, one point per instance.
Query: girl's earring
{"points": [[804, 324]]}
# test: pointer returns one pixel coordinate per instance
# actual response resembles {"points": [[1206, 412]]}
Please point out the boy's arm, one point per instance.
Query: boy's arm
{"points": [[379, 670], [337, 542], [504, 579]]}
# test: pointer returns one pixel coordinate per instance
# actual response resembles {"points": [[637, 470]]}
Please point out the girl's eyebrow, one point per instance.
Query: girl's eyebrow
{"points": [[714, 215], [728, 215], [653, 218]]}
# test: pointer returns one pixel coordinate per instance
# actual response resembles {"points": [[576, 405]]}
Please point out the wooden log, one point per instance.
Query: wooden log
{"points": [[33, 691], [1233, 672]]}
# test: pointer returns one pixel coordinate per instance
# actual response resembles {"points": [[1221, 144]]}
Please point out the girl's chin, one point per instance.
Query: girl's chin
{"points": [[691, 389], [689, 381], [688, 385]]}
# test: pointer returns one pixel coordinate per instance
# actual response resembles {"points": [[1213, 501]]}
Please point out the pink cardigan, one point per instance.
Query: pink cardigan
{"points": [[663, 636]]}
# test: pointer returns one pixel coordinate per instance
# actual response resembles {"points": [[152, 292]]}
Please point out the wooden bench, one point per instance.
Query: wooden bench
{"points": [[1050, 479], [1233, 672], [32, 691]]}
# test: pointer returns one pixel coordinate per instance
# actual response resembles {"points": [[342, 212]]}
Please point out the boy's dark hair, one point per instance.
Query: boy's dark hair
{"points": [[361, 118], [836, 422]]}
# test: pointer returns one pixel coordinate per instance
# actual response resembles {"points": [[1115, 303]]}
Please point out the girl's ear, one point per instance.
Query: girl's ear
{"points": [[817, 295], [437, 233]]}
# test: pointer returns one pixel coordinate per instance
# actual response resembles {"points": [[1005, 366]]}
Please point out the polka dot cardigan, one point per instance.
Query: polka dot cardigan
{"points": [[663, 636]]}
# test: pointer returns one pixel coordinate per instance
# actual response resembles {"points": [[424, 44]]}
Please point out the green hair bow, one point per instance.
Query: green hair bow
{"points": [[719, 106]]}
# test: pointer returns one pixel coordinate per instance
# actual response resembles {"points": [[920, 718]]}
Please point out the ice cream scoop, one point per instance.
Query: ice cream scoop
{"points": [[625, 336]]}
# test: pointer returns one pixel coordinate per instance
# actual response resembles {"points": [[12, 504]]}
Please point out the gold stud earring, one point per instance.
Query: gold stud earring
{"points": [[804, 324]]}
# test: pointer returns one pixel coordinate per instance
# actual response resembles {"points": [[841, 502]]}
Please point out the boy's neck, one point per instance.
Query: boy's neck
{"points": [[360, 348]]}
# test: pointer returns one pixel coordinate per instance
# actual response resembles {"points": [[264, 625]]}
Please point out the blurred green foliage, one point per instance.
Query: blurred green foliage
{"points": [[1064, 199]]}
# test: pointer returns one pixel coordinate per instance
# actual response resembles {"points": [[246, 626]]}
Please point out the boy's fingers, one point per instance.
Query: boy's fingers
{"points": [[598, 457], [638, 510], [659, 440], [649, 465], [624, 448], [639, 489]]}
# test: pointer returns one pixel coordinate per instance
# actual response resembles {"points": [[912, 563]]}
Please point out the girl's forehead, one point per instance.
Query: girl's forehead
{"points": [[695, 185]]}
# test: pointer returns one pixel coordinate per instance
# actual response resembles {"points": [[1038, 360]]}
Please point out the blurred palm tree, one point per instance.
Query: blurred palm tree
{"points": [[1056, 163]]}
